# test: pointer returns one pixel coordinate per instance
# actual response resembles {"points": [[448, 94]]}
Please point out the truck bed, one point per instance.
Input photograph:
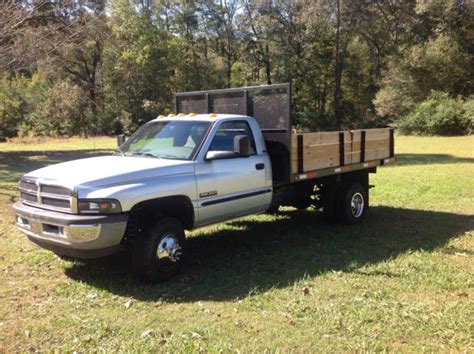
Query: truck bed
{"points": [[325, 153]]}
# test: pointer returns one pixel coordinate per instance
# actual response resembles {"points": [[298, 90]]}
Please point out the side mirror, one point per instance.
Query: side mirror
{"points": [[242, 145], [241, 149], [120, 139], [219, 155]]}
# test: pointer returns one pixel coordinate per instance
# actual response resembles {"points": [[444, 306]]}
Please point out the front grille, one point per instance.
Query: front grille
{"points": [[56, 203], [46, 196], [28, 186], [29, 197], [55, 190]]}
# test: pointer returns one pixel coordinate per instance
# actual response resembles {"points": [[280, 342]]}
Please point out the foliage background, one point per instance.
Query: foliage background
{"points": [[72, 67]]}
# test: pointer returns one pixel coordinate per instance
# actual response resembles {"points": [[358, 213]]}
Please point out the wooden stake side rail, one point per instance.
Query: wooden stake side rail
{"points": [[325, 153]]}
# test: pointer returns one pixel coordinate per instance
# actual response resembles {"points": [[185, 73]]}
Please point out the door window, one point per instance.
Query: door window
{"points": [[224, 138]]}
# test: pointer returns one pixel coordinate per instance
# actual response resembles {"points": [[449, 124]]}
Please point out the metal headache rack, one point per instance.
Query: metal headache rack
{"points": [[270, 105]]}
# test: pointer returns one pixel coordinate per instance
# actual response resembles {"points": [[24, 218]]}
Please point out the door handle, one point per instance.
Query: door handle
{"points": [[260, 166]]}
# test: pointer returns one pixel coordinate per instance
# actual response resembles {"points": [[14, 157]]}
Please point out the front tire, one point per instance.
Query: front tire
{"points": [[159, 253]]}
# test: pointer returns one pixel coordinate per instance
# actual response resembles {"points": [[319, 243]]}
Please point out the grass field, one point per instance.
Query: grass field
{"points": [[401, 281]]}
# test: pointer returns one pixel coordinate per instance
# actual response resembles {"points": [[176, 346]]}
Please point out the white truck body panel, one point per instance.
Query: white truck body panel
{"points": [[107, 171]]}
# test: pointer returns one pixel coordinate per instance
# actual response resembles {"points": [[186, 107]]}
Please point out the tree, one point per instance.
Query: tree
{"points": [[80, 54], [16, 23], [195, 66], [138, 67], [257, 27], [438, 64], [221, 29]]}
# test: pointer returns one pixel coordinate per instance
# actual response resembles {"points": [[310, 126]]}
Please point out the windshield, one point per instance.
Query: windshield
{"points": [[166, 139]]}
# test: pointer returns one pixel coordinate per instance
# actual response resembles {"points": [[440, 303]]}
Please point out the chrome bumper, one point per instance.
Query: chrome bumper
{"points": [[74, 235]]}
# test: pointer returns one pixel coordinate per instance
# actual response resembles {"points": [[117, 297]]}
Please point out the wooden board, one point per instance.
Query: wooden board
{"points": [[322, 150], [377, 144], [355, 146]]}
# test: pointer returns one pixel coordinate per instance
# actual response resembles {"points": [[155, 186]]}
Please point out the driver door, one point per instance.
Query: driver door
{"points": [[232, 187]]}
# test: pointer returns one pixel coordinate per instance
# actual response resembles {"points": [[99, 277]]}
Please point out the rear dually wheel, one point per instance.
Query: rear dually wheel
{"points": [[353, 203]]}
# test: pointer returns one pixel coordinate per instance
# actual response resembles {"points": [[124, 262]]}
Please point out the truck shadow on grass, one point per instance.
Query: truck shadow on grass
{"points": [[251, 255]]}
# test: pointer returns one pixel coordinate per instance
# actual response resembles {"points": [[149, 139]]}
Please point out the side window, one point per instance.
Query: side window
{"points": [[224, 138]]}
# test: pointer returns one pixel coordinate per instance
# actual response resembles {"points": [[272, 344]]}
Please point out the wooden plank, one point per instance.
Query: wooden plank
{"points": [[294, 141], [377, 133], [323, 161], [319, 159], [322, 149], [355, 150], [375, 144], [317, 151], [310, 151], [377, 154], [321, 138], [294, 167]]}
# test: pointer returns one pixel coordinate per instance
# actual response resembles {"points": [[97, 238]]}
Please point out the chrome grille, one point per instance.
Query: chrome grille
{"points": [[46, 196], [28, 186], [29, 197], [55, 190], [56, 203]]}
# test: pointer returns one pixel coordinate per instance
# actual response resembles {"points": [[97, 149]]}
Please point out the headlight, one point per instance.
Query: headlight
{"points": [[99, 206]]}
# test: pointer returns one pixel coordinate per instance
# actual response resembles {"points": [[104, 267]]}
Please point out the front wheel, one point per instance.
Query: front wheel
{"points": [[353, 204], [159, 253]]}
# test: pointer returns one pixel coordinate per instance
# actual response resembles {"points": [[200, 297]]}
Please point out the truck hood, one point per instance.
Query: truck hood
{"points": [[105, 171]]}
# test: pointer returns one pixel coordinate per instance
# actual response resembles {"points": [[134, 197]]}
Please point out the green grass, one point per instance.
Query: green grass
{"points": [[402, 280]]}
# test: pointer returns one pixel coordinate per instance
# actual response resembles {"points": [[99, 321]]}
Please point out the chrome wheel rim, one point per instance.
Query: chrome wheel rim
{"points": [[168, 250], [357, 205]]}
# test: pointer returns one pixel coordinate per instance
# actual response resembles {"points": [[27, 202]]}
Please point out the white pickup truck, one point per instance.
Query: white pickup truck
{"points": [[189, 170]]}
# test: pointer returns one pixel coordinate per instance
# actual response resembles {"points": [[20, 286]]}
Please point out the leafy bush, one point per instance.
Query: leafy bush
{"points": [[468, 107], [12, 104], [439, 114], [64, 110], [10, 108], [18, 97]]}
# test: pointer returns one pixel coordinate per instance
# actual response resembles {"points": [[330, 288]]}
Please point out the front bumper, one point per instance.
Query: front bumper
{"points": [[81, 236]]}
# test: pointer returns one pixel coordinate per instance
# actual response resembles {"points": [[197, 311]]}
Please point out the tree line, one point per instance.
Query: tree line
{"points": [[70, 67]]}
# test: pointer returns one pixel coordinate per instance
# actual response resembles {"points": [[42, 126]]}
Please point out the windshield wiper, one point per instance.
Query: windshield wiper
{"points": [[169, 157], [147, 154]]}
